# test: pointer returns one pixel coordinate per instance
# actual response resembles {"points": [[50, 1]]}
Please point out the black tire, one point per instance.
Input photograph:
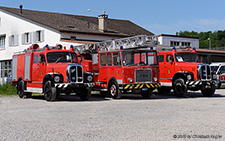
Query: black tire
{"points": [[49, 91], [113, 90], [20, 89], [146, 94], [180, 88], [164, 90], [85, 93], [209, 92]]}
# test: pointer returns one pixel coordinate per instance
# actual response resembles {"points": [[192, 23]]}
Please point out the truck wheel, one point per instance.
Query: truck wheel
{"points": [[180, 88], [208, 92], [146, 94], [114, 91], [164, 90], [85, 94], [20, 89], [49, 91]]}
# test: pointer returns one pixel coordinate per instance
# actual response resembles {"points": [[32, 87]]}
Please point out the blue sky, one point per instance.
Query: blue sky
{"points": [[158, 16]]}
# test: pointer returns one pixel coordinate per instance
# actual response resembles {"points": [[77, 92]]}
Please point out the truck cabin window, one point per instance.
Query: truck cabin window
{"points": [[186, 57], [63, 57], [139, 58], [116, 59]]}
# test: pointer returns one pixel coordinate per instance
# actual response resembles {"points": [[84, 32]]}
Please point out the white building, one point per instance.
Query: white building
{"points": [[21, 28], [181, 41]]}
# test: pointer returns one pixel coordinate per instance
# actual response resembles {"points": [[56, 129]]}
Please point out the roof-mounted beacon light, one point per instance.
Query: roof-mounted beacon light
{"points": [[121, 47], [194, 49], [46, 47], [151, 48], [174, 49], [71, 47]]}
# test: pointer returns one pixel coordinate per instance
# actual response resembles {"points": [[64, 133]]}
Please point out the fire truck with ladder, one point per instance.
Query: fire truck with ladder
{"points": [[50, 70], [122, 65], [182, 70]]}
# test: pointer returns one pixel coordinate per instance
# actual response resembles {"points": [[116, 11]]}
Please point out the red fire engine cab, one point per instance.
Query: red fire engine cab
{"points": [[50, 70], [123, 65], [182, 71]]}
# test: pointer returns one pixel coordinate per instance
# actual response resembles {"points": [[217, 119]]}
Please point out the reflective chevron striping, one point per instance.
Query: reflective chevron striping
{"points": [[137, 86], [159, 85], [147, 85], [126, 86], [140, 86]]}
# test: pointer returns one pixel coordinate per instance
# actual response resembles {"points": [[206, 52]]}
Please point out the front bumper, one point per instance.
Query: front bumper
{"points": [[73, 85], [139, 86], [199, 83]]}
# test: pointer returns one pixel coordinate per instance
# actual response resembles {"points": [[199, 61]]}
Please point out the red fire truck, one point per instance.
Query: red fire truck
{"points": [[183, 71], [123, 65], [50, 70]]}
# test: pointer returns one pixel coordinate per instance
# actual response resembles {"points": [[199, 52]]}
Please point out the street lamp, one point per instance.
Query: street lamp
{"points": [[209, 43]]}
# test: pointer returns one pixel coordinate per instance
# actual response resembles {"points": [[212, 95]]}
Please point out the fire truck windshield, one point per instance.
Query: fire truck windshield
{"points": [[186, 57], [55, 57], [140, 57]]}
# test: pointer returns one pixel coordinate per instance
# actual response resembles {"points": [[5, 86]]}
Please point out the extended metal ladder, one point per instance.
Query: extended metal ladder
{"points": [[139, 41]]}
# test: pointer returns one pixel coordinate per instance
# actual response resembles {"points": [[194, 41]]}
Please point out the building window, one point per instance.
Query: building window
{"points": [[2, 42], [174, 43], [187, 44], [5, 68], [13, 40], [38, 36], [26, 38], [73, 38]]}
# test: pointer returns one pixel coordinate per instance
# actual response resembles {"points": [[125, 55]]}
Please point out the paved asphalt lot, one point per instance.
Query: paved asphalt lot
{"points": [[164, 117]]}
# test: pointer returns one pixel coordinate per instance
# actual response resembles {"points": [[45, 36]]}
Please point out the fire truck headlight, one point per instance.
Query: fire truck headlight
{"points": [[155, 79], [56, 79], [189, 77], [214, 76], [89, 78], [130, 80]]}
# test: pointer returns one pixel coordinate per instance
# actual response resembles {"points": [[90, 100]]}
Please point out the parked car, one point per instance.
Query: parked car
{"points": [[219, 70]]}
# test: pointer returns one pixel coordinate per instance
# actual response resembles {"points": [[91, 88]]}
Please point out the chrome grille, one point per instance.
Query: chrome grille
{"points": [[204, 72], [74, 73], [143, 75]]}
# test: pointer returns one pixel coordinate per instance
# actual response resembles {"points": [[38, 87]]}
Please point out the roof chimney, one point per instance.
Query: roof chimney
{"points": [[21, 9], [102, 22]]}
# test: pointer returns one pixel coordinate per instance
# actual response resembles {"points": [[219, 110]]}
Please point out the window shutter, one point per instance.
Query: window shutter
{"points": [[23, 39], [16, 40], [42, 35], [10, 42], [34, 37], [30, 37]]}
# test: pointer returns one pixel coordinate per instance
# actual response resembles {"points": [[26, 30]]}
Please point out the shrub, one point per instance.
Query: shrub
{"points": [[8, 89]]}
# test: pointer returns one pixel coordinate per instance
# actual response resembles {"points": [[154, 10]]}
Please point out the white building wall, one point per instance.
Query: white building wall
{"points": [[166, 40], [12, 25]]}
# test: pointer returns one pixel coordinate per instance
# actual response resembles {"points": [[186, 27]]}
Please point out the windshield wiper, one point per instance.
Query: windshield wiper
{"points": [[58, 59]]}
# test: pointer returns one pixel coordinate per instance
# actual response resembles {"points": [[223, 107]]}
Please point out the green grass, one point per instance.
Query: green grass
{"points": [[7, 90]]}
